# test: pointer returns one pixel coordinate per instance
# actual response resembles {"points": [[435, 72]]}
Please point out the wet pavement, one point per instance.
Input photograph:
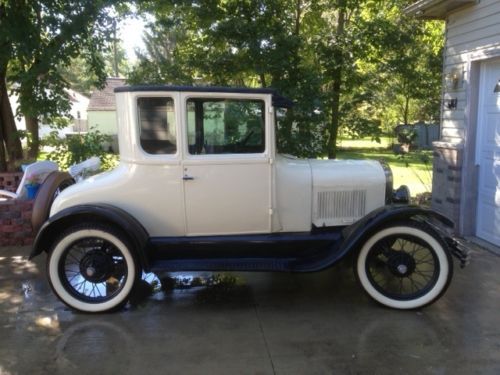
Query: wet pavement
{"points": [[251, 323]]}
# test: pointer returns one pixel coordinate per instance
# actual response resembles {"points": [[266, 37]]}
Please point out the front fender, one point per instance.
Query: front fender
{"points": [[357, 232], [102, 213], [354, 235]]}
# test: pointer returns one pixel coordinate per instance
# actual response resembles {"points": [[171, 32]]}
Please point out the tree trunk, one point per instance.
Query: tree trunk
{"points": [[262, 78], [11, 139], [3, 156], [34, 139], [406, 113], [338, 58]]}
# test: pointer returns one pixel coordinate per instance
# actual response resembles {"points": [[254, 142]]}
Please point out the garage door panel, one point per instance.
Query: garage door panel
{"points": [[492, 130], [489, 222], [488, 146], [492, 101], [490, 172], [490, 199]]}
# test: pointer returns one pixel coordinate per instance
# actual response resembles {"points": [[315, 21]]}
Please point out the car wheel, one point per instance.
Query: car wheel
{"points": [[405, 265], [91, 268]]}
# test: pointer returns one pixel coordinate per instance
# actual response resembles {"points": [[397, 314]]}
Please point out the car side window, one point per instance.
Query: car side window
{"points": [[157, 125], [225, 126]]}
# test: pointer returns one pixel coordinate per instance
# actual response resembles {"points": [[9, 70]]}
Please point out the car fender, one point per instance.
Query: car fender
{"points": [[355, 234], [102, 213]]}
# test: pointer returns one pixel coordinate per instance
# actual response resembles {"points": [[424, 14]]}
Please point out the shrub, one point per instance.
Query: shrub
{"points": [[79, 147]]}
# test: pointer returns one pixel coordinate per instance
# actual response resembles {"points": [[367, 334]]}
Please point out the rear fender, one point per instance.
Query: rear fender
{"points": [[95, 213]]}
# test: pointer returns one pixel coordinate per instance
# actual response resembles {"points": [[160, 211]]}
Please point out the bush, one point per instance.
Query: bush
{"points": [[79, 147]]}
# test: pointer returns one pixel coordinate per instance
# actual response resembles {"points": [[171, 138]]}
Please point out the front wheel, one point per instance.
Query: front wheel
{"points": [[91, 268], [404, 266]]}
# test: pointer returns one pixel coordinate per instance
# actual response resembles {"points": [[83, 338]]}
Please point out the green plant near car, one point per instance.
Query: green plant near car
{"points": [[79, 147]]}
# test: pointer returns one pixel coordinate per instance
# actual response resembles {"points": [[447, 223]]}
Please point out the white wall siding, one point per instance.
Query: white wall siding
{"points": [[471, 34]]}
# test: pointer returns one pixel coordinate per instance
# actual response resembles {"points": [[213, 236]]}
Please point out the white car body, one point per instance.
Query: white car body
{"points": [[228, 193]]}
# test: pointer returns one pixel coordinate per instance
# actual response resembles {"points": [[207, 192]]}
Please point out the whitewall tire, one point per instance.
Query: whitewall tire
{"points": [[404, 266], [91, 268]]}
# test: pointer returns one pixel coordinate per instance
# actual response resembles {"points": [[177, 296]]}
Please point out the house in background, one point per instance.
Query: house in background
{"points": [[78, 113], [101, 112], [466, 182]]}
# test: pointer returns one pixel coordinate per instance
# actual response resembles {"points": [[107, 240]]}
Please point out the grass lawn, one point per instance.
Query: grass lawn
{"points": [[410, 170], [365, 143]]}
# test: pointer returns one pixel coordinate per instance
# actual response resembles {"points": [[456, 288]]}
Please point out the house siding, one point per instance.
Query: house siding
{"points": [[105, 122], [472, 35]]}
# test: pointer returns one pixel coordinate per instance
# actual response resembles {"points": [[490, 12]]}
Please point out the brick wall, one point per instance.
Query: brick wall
{"points": [[15, 215], [447, 180], [15, 223], [10, 180]]}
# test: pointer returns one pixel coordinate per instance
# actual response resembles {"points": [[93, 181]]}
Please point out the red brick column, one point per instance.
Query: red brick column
{"points": [[15, 223], [10, 180]]}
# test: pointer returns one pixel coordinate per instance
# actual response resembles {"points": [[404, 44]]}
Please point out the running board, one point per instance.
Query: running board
{"points": [[298, 252], [236, 264]]}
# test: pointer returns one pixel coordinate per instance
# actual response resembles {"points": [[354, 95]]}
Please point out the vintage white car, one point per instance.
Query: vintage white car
{"points": [[200, 187]]}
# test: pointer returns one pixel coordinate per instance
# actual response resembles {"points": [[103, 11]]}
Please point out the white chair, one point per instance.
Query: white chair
{"points": [[39, 169]]}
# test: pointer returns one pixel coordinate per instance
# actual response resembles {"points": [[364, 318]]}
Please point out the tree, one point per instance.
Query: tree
{"points": [[335, 58], [243, 43], [10, 144], [39, 37], [80, 76], [413, 69]]}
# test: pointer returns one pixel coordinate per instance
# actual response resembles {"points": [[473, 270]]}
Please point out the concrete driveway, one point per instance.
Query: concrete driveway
{"points": [[264, 323]]}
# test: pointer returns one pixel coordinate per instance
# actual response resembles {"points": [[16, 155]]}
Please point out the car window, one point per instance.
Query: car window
{"points": [[157, 125], [225, 126]]}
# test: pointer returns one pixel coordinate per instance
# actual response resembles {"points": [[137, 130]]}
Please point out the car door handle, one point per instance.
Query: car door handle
{"points": [[187, 178]]}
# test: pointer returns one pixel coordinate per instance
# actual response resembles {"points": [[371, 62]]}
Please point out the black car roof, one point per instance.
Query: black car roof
{"points": [[278, 100]]}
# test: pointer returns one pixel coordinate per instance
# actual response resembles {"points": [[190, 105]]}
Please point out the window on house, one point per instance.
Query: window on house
{"points": [[157, 125], [225, 126]]}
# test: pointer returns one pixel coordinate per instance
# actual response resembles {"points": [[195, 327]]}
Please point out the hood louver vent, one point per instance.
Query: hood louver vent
{"points": [[341, 204]]}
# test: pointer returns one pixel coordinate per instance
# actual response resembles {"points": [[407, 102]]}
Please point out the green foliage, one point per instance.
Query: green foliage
{"points": [[351, 66], [79, 147], [46, 35], [81, 76], [407, 136], [42, 38]]}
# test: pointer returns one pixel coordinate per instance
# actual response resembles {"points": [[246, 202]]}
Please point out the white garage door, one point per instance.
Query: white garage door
{"points": [[488, 155]]}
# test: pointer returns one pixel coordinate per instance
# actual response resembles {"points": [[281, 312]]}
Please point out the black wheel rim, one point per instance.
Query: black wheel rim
{"points": [[402, 267], [93, 270]]}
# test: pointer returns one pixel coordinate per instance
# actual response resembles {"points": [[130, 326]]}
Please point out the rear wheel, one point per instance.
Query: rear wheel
{"points": [[91, 268], [404, 266]]}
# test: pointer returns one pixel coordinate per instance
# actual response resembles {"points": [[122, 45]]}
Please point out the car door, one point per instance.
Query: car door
{"points": [[227, 165]]}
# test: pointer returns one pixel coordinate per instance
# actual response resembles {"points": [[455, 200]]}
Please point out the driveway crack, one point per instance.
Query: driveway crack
{"points": [[264, 338]]}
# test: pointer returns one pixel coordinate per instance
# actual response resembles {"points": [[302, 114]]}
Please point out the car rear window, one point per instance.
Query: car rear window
{"points": [[157, 125]]}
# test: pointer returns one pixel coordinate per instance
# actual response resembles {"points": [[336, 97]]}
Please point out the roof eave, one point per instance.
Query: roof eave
{"points": [[436, 9]]}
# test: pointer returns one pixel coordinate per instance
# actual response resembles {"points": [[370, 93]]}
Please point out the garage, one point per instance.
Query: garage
{"points": [[466, 173], [488, 153]]}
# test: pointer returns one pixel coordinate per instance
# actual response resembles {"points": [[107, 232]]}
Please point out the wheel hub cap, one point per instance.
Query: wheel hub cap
{"points": [[402, 269], [401, 264], [90, 271], [96, 266]]}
